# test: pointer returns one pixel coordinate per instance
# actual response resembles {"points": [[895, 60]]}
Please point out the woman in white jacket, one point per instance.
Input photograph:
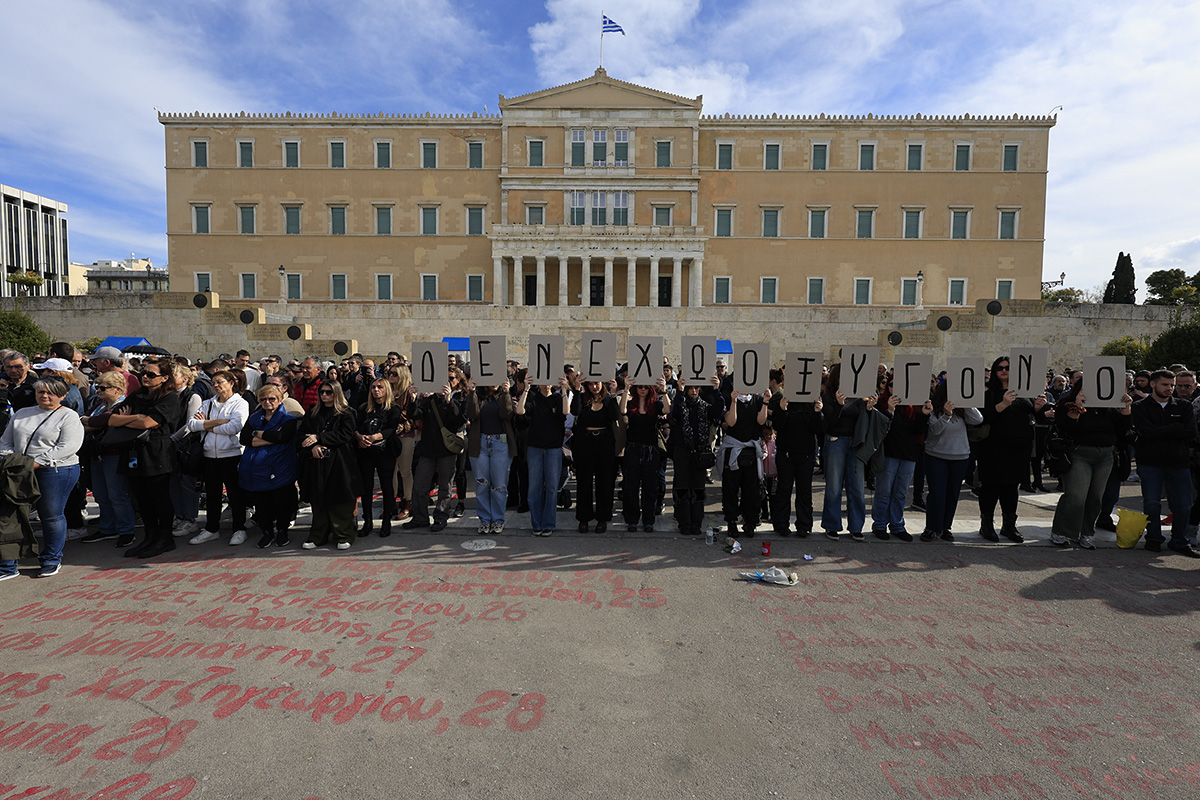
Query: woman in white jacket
{"points": [[220, 420]]}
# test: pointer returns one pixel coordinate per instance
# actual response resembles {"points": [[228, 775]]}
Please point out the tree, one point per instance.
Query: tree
{"points": [[1067, 294], [1122, 288], [1133, 349], [1177, 345], [1172, 287], [19, 332], [26, 280], [88, 345]]}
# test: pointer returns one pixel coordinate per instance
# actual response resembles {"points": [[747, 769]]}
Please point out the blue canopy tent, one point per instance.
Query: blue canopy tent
{"points": [[123, 343], [458, 344], [724, 346]]}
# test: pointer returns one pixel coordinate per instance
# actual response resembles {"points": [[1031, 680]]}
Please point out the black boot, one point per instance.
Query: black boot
{"points": [[163, 542], [145, 544], [1009, 528], [987, 529]]}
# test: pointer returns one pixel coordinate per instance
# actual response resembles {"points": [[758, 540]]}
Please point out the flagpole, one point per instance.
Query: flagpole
{"points": [[602, 38]]}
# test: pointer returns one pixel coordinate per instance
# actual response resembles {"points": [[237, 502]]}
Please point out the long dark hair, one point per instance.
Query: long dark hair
{"points": [[834, 381], [993, 382], [941, 393]]}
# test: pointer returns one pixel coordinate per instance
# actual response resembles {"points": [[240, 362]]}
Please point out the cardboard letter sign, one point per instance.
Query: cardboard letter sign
{"points": [[1103, 381], [965, 384], [645, 359], [598, 356], [699, 358], [802, 377], [430, 366], [547, 357], [911, 381], [860, 368], [751, 368], [1027, 370], [489, 365]]}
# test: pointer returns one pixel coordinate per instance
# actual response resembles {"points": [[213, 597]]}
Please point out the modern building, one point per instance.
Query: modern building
{"points": [[129, 275], [601, 192], [33, 244]]}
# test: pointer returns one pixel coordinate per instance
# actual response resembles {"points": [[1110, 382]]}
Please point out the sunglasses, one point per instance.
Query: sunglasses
{"points": [[1002, 369], [326, 391]]}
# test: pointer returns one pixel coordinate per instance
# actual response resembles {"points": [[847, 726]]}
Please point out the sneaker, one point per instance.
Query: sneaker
{"points": [[947, 536], [125, 540], [189, 528], [281, 539], [484, 528], [343, 545], [459, 510], [1060, 541], [497, 528], [1184, 549], [239, 537], [918, 503], [203, 536], [98, 536], [414, 523], [928, 536], [178, 523], [631, 528], [47, 571], [76, 533], [437, 527], [1133, 478], [4, 576], [1086, 543], [858, 536], [880, 533], [903, 536], [266, 540], [309, 545], [831, 535], [1154, 547], [803, 534]]}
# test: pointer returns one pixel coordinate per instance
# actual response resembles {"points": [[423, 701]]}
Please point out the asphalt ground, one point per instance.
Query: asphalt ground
{"points": [[608, 666]]}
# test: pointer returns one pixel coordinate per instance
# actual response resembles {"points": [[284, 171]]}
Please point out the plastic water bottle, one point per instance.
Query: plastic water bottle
{"points": [[133, 461], [708, 535]]}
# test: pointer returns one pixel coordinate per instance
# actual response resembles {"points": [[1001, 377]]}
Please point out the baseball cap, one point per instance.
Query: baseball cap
{"points": [[56, 364], [107, 352]]}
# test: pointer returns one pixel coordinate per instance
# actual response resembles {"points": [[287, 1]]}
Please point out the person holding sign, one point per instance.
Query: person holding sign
{"points": [[1166, 429], [947, 454], [741, 461], [1003, 457], [692, 414], [1093, 434], [593, 447], [843, 469], [492, 444], [639, 493], [546, 415], [442, 418], [901, 448], [798, 425]]}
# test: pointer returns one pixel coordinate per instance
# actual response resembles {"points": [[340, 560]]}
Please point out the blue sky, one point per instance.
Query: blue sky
{"points": [[78, 120]]}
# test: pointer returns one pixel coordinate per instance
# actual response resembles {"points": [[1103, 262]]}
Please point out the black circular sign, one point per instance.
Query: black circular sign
{"points": [[895, 338], [341, 348], [200, 300], [995, 307], [945, 323], [294, 332], [247, 316]]}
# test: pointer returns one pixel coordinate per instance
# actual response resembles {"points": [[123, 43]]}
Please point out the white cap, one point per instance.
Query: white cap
{"points": [[56, 364]]}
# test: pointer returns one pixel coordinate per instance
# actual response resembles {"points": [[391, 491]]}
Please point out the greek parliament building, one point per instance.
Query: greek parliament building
{"points": [[604, 193]]}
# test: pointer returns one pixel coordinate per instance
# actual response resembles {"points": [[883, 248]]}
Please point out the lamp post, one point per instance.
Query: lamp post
{"points": [[920, 289], [282, 286], [1047, 285]]}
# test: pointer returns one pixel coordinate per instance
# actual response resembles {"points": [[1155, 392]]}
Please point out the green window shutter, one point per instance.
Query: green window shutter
{"points": [[338, 287], [662, 217], [620, 216], [862, 292], [662, 154], [202, 219], [908, 293], [429, 221], [383, 155], [957, 292], [724, 222], [1004, 290], [914, 156], [816, 291], [429, 287], [770, 222], [200, 154], [1010, 158], [912, 224], [383, 221], [577, 154], [599, 154], [247, 219], [1008, 224], [864, 224], [768, 290], [820, 157], [621, 154], [866, 156], [383, 287], [245, 154], [293, 287], [962, 157], [337, 155], [475, 221], [475, 288], [816, 224], [958, 225], [337, 220], [721, 290], [537, 215], [291, 219], [536, 154], [475, 155], [249, 286], [291, 154], [724, 156], [771, 157], [429, 155]]}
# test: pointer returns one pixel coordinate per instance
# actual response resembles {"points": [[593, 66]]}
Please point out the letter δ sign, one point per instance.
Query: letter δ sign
{"points": [[751, 368], [1103, 381], [965, 384], [547, 355], [598, 356], [911, 381], [1027, 370], [430, 366], [802, 377], [860, 366], [489, 363], [645, 357], [699, 358]]}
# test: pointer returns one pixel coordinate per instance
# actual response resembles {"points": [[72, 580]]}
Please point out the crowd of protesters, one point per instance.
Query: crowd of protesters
{"points": [[164, 438]]}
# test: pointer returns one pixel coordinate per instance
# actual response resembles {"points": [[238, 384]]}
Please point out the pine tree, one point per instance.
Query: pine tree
{"points": [[1121, 289]]}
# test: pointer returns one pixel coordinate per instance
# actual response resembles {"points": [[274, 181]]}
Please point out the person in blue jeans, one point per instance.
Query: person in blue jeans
{"points": [[51, 434], [1166, 428], [844, 471], [110, 489], [901, 448], [491, 444], [546, 412]]}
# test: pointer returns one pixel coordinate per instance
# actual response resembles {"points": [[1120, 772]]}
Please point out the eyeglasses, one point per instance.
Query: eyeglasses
{"points": [[1002, 368], [326, 392], [148, 375]]}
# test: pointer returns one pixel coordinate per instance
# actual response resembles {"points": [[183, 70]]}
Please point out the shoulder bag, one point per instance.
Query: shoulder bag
{"points": [[454, 442]]}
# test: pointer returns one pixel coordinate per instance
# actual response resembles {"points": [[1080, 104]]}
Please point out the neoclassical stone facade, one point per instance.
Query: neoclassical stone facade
{"points": [[604, 193]]}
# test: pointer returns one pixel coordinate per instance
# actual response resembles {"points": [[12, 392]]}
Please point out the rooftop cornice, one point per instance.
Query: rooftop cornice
{"points": [[333, 117], [880, 119]]}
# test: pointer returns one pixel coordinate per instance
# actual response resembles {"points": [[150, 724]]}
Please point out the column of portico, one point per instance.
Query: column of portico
{"points": [[585, 280], [541, 280], [497, 281], [608, 281], [697, 282], [631, 281], [562, 280], [677, 283], [518, 284]]}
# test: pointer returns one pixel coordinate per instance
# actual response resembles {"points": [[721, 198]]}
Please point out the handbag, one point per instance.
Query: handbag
{"points": [[189, 453], [977, 433], [452, 441], [125, 437], [1058, 452], [707, 459]]}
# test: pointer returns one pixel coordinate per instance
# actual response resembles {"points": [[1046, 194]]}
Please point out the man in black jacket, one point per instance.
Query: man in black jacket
{"points": [[434, 458], [1166, 428]]}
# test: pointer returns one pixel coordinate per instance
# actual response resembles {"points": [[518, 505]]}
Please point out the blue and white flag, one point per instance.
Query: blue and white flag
{"points": [[608, 26]]}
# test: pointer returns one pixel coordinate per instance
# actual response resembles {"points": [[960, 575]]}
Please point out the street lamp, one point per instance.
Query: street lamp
{"points": [[920, 289], [1047, 285], [282, 286]]}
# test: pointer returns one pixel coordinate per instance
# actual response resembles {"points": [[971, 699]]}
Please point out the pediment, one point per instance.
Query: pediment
{"points": [[600, 92]]}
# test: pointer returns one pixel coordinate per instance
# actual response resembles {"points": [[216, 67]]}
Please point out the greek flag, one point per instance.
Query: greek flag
{"points": [[608, 26]]}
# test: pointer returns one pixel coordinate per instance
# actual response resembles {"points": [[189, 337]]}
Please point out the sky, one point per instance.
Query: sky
{"points": [[78, 121]]}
